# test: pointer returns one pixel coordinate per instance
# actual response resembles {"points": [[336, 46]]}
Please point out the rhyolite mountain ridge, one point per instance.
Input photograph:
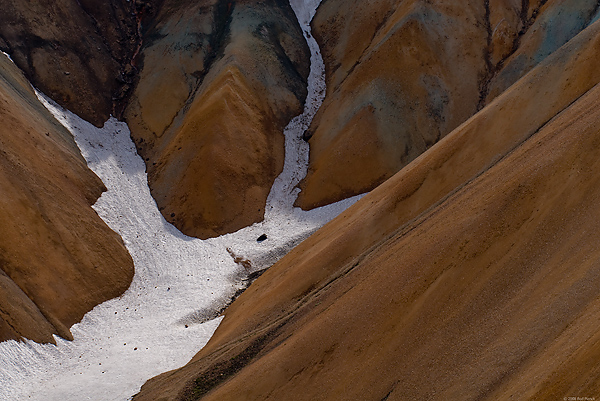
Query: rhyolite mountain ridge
{"points": [[470, 271], [58, 259]]}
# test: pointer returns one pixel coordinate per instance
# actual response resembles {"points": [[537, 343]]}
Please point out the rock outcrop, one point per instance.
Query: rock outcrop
{"points": [[470, 274], [402, 75], [218, 83], [58, 259]]}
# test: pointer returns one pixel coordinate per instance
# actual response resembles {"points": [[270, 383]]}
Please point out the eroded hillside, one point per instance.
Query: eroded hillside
{"points": [[403, 74], [206, 87], [218, 83], [470, 274], [58, 259], [79, 52]]}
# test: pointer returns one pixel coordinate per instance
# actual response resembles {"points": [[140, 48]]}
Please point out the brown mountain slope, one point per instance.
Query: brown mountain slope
{"points": [[206, 87], [218, 83], [402, 75], [76, 51], [471, 274], [553, 25], [57, 257], [208, 116]]}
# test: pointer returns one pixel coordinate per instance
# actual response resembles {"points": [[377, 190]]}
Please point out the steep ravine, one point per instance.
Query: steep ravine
{"points": [[180, 283], [472, 274]]}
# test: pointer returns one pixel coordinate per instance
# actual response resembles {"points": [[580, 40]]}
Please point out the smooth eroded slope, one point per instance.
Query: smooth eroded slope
{"points": [[58, 259], [491, 294], [402, 75], [219, 82], [472, 269]]}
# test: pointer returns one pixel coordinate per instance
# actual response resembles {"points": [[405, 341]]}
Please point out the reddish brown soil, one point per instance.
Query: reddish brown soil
{"points": [[58, 259], [402, 75], [470, 274], [208, 113]]}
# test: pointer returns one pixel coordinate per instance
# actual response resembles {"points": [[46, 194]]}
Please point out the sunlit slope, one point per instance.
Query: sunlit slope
{"points": [[57, 257], [218, 82], [470, 274], [206, 87]]}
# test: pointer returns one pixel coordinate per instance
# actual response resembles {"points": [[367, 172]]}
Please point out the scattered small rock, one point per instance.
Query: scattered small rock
{"points": [[262, 238], [307, 135]]}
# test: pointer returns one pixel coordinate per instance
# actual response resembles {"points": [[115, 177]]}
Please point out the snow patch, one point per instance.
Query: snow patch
{"points": [[180, 282]]}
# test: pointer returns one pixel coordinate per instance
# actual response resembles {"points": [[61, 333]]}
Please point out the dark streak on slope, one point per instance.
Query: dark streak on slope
{"points": [[365, 51], [222, 13], [487, 55], [222, 371]]}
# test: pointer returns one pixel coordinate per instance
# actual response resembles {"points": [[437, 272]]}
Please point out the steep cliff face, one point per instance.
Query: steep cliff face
{"points": [[57, 257], [76, 51], [402, 75], [219, 80], [470, 274]]}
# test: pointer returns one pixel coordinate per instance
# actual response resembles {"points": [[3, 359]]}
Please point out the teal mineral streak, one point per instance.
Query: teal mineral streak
{"points": [[561, 23], [555, 26]]}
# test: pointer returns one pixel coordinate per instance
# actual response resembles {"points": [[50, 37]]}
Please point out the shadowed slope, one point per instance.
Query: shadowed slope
{"points": [[464, 276], [78, 52], [57, 257]]}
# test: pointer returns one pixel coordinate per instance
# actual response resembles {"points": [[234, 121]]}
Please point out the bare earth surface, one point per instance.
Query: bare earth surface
{"points": [[218, 83], [471, 274], [58, 259], [401, 75]]}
